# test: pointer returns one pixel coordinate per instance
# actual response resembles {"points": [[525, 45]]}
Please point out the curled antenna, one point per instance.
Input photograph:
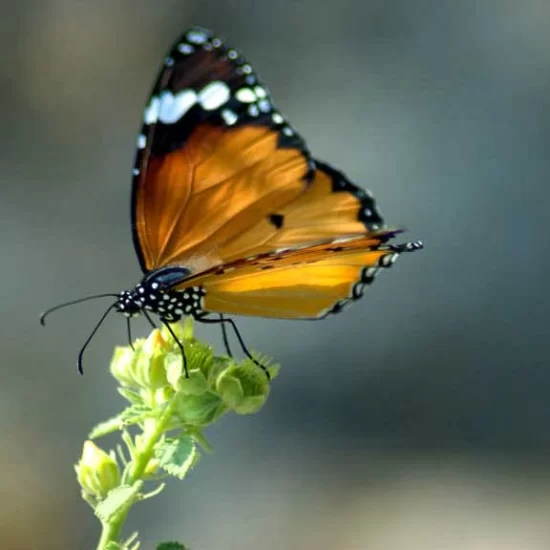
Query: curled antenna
{"points": [[72, 303], [89, 339]]}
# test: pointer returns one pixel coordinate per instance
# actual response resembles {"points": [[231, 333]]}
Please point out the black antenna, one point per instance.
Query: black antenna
{"points": [[72, 303], [88, 340]]}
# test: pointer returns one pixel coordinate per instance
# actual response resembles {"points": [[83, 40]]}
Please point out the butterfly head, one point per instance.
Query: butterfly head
{"points": [[129, 302]]}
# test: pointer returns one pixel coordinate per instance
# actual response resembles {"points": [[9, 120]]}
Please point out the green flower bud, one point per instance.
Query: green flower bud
{"points": [[199, 410], [122, 365], [243, 388], [97, 472], [144, 367], [194, 385], [149, 370]]}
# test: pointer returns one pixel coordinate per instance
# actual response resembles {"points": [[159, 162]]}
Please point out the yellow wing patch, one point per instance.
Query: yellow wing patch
{"points": [[298, 284]]}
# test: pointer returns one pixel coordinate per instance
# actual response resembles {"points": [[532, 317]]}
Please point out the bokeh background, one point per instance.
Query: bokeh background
{"points": [[420, 418]]}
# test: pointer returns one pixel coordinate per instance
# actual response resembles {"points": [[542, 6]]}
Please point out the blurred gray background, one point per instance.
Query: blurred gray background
{"points": [[420, 418]]}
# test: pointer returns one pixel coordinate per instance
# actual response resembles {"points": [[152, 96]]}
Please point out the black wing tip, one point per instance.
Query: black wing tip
{"points": [[368, 213], [407, 247]]}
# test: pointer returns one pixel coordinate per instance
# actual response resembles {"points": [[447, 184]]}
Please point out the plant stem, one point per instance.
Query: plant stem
{"points": [[110, 530]]}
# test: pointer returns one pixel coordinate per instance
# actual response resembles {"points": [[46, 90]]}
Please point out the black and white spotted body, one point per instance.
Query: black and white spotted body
{"points": [[155, 294]]}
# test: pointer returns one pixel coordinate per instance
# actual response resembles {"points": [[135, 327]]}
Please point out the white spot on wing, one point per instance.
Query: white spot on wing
{"points": [[245, 95], [214, 95], [197, 37], [229, 117], [172, 108], [151, 114], [260, 92], [277, 118], [186, 49], [141, 141], [264, 105]]}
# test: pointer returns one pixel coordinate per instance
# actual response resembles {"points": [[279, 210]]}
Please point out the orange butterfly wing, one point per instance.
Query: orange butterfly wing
{"points": [[215, 184], [222, 181], [226, 189], [331, 207], [299, 284]]}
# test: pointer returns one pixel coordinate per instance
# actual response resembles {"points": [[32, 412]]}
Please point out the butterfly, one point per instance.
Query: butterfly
{"points": [[230, 212]]}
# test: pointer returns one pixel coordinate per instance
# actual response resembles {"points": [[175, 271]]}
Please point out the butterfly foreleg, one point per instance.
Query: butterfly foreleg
{"points": [[129, 332], [224, 336], [180, 346]]}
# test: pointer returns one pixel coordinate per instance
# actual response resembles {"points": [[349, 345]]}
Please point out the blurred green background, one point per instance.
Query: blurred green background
{"points": [[417, 420]]}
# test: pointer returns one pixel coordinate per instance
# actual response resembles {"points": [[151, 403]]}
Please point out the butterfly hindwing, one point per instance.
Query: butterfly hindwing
{"points": [[307, 283], [331, 207]]}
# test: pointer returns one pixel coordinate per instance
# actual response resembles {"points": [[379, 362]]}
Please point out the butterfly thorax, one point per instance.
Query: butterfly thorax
{"points": [[156, 293]]}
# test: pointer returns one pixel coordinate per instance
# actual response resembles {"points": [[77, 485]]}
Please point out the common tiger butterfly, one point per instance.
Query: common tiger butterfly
{"points": [[230, 212]]}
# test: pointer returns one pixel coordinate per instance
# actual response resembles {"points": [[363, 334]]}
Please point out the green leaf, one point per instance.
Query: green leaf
{"points": [[116, 501], [109, 426], [177, 456], [130, 395], [135, 413], [130, 415], [112, 545], [198, 436], [171, 546]]}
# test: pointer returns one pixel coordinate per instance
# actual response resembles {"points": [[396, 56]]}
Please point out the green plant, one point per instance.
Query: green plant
{"points": [[162, 426]]}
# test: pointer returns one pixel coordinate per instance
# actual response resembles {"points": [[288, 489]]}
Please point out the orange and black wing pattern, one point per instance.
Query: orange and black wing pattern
{"points": [[224, 186], [306, 283]]}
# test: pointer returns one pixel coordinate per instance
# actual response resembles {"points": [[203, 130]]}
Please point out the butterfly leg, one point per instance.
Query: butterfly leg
{"points": [[180, 345], [224, 336], [129, 331], [223, 321]]}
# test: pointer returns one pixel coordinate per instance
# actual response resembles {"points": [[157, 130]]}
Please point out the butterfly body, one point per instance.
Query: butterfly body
{"points": [[156, 294]]}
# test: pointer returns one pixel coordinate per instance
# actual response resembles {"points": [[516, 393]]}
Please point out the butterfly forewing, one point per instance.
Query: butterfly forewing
{"points": [[215, 157]]}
